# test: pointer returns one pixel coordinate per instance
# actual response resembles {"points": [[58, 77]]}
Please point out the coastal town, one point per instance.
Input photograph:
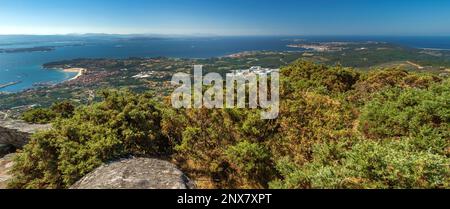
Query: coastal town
{"points": [[154, 74], [334, 46], [257, 70], [136, 74]]}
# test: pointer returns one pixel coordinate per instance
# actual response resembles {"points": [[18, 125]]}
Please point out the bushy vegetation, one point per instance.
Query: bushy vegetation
{"points": [[366, 164], [123, 124], [338, 128], [63, 109], [39, 116], [396, 112]]}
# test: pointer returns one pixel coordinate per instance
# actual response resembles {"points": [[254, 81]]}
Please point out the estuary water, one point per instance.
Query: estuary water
{"points": [[26, 67]]}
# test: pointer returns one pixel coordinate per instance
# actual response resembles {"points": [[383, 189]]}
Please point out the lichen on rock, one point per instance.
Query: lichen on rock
{"points": [[135, 173]]}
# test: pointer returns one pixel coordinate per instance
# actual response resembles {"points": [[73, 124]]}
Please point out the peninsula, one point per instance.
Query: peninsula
{"points": [[9, 84]]}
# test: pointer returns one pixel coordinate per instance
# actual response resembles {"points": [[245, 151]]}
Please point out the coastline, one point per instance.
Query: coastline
{"points": [[79, 71], [434, 49], [9, 84]]}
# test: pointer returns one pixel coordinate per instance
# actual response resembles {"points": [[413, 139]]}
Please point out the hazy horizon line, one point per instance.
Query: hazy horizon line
{"points": [[217, 35]]}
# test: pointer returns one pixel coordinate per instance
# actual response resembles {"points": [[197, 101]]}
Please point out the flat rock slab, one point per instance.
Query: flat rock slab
{"points": [[17, 133], [136, 173]]}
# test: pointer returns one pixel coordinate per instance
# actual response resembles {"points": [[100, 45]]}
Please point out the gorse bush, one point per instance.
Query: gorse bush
{"points": [[63, 109], [307, 119], [337, 128], [123, 124], [217, 143], [396, 113], [306, 76], [368, 164], [399, 140], [39, 116], [251, 160], [379, 80]]}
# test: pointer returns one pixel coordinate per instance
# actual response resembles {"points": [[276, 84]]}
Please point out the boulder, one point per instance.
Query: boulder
{"points": [[17, 133], [135, 173]]}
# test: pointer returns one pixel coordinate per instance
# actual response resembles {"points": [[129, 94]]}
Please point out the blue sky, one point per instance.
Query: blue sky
{"points": [[227, 17]]}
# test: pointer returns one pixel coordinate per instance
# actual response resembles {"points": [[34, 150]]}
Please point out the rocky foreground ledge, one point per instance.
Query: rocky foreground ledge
{"points": [[136, 173], [17, 133], [6, 163]]}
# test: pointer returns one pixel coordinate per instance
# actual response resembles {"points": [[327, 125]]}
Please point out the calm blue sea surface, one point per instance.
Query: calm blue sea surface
{"points": [[27, 66]]}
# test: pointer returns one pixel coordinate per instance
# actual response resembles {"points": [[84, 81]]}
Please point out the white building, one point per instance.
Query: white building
{"points": [[256, 70]]}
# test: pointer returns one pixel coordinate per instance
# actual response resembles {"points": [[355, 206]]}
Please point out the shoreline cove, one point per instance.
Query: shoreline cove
{"points": [[79, 71], [27, 67]]}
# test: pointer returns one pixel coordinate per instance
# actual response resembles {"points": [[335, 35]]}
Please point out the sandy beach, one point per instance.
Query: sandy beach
{"points": [[80, 72]]}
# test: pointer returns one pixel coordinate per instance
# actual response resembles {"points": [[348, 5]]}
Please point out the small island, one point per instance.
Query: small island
{"points": [[30, 49]]}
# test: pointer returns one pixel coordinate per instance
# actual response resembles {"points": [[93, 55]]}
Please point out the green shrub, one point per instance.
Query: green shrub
{"points": [[302, 75], [307, 119], [39, 116], [251, 160], [222, 146], [404, 120], [378, 80], [204, 140], [123, 124], [392, 164], [396, 112], [63, 109]]}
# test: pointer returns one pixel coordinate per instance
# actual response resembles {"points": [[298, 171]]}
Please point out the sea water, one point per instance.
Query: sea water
{"points": [[26, 67]]}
